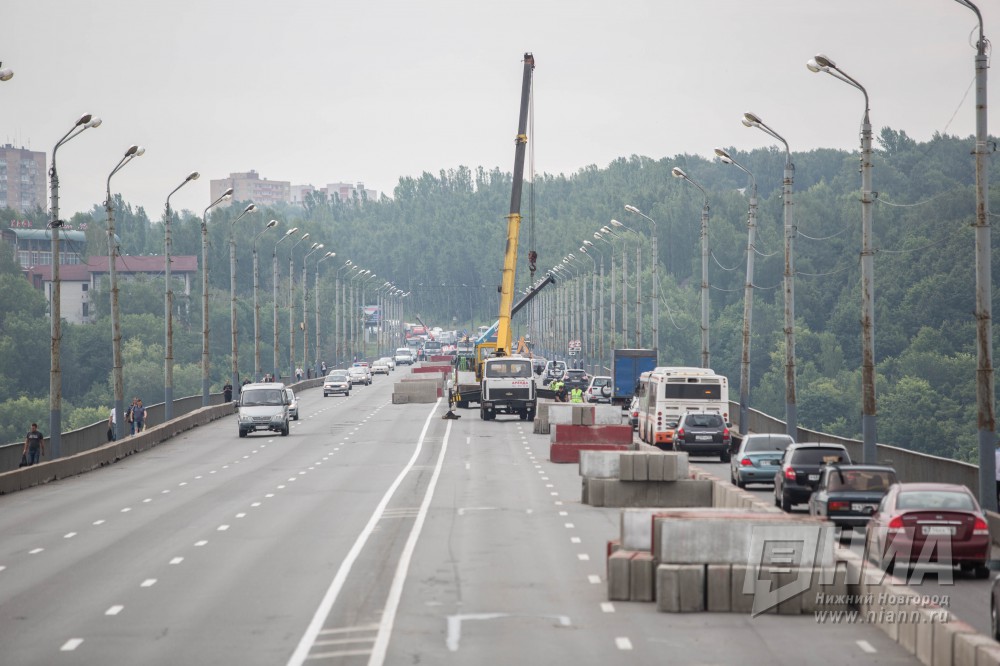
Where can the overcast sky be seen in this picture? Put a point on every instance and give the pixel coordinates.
(323, 91)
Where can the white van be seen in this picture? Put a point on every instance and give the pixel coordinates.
(263, 407)
(403, 355)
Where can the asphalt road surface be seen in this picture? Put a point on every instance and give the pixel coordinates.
(374, 533)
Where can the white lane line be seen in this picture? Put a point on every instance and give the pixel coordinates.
(69, 535)
(269, 495)
(607, 607)
(199, 476)
(182, 484)
(2, 567)
(866, 647)
(330, 598)
(583, 557)
(550, 485)
(554, 494)
(241, 515)
(114, 610)
(147, 500)
(164, 492)
(126, 509)
(559, 503)
(71, 644)
(623, 643)
(594, 579)
(574, 539)
(564, 513)
(255, 504)
(222, 528)
(281, 487)
(177, 560)
(149, 582)
(199, 544)
(569, 526)
(35, 551)
(98, 522)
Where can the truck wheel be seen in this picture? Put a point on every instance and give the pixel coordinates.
(523, 414)
(482, 414)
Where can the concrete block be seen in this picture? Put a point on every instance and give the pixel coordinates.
(586, 414)
(642, 583)
(591, 434)
(607, 415)
(675, 466)
(792, 605)
(595, 490)
(600, 464)
(626, 466)
(925, 636)
(827, 590)
(718, 587)
(560, 414)
(944, 641)
(400, 399)
(679, 494)
(680, 588)
(619, 575)
(654, 467)
(640, 470)
(988, 655)
(739, 601)
(907, 630)
(562, 452)
(966, 647)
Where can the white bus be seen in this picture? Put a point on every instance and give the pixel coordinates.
(667, 392)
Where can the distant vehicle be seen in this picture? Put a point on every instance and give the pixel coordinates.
(848, 495)
(389, 361)
(380, 367)
(337, 382)
(633, 413)
(668, 392)
(433, 348)
(576, 378)
(798, 475)
(599, 390)
(538, 364)
(553, 370)
(627, 366)
(703, 434)
(404, 356)
(913, 514)
(293, 404)
(359, 375)
(757, 458)
(263, 406)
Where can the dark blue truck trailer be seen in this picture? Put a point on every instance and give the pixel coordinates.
(627, 366)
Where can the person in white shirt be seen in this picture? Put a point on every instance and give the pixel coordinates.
(112, 430)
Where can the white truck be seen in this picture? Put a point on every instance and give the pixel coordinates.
(507, 387)
(404, 355)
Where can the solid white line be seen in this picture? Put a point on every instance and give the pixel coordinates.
(114, 610)
(396, 590)
(71, 644)
(866, 647)
(623, 643)
(330, 598)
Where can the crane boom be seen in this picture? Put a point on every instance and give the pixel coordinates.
(504, 336)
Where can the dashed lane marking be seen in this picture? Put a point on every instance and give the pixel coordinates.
(607, 607)
(177, 560)
(114, 610)
(583, 557)
(35, 551)
(623, 643)
(594, 579)
(867, 647)
(149, 582)
(71, 644)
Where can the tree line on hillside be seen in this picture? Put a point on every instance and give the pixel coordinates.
(441, 237)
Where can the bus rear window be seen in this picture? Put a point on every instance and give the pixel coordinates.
(692, 391)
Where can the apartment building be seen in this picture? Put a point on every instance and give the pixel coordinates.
(23, 182)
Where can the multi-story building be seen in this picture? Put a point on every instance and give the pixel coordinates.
(250, 186)
(23, 183)
(342, 191)
(33, 247)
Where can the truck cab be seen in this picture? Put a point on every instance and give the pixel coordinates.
(507, 387)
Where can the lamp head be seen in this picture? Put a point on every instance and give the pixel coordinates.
(228, 193)
(616, 223)
(250, 208)
(320, 246)
(597, 235)
(632, 209)
(571, 255)
(84, 119)
(348, 263)
(823, 62)
(270, 224)
(132, 150)
(678, 172)
(314, 246)
(588, 243)
(96, 122)
(751, 119)
(291, 231)
(194, 175)
(304, 236)
(583, 249)
(6, 74)
(813, 66)
(606, 229)
(140, 152)
(723, 155)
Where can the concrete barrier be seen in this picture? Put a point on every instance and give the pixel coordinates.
(569, 452)
(599, 464)
(685, 493)
(608, 434)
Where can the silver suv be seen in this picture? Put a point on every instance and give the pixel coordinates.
(263, 407)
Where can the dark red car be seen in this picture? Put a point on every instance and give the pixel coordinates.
(937, 523)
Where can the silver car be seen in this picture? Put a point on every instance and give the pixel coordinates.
(758, 459)
(293, 404)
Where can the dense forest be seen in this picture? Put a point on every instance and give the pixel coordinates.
(441, 237)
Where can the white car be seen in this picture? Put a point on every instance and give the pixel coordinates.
(404, 356)
(388, 361)
(359, 374)
(380, 367)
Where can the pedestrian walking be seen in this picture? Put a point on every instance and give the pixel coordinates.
(112, 430)
(130, 416)
(227, 392)
(34, 445)
(139, 415)
(322, 367)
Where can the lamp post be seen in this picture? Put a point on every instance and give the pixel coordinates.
(985, 409)
(600, 235)
(305, 305)
(677, 172)
(638, 283)
(168, 310)
(204, 295)
(820, 63)
(274, 296)
(328, 255)
(726, 158)
(256, 303)
(291, 303)
(84, 123)
(593, 306)
(364, 318)
(232, 295)
(340, 323)
(788, 283)
(116, 330)
(656, 277)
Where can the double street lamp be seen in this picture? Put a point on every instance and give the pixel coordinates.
(328, 255)
(305, 307)
(232, 294)
(168, 309)
(656, 278)
(256, 302)
(204, 295)
(274, 296)
(677, 172)
(291, 303)
(726, 158)
(821, 63)
(85, 122)
(116, 330)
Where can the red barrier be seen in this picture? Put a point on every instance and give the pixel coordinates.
(433, 369)
(568, 452)
(595, 434)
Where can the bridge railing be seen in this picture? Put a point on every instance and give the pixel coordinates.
(911, 466)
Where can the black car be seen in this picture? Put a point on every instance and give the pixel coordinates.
(703, 434)
(800, 470)
(848, 495)
(576, 379)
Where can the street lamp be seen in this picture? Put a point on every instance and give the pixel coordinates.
(232, 295)
(726, 158)
(791, 408)
(204, 295)
(677, 172)
(656, 277)
(274, 295)
(985, 409)
(85, 122)
(305, 308)
(638, 287)
(340, 322)
(116, 330)
(168, 308)
(593, 305)
(291, 303)
(820, 63)
(328, 255)
(6, 74)
(256, 302)
(601, 236)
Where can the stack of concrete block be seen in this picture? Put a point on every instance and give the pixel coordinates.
(568, 440)
(427, 388)
(554, 413)
(641, 479)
